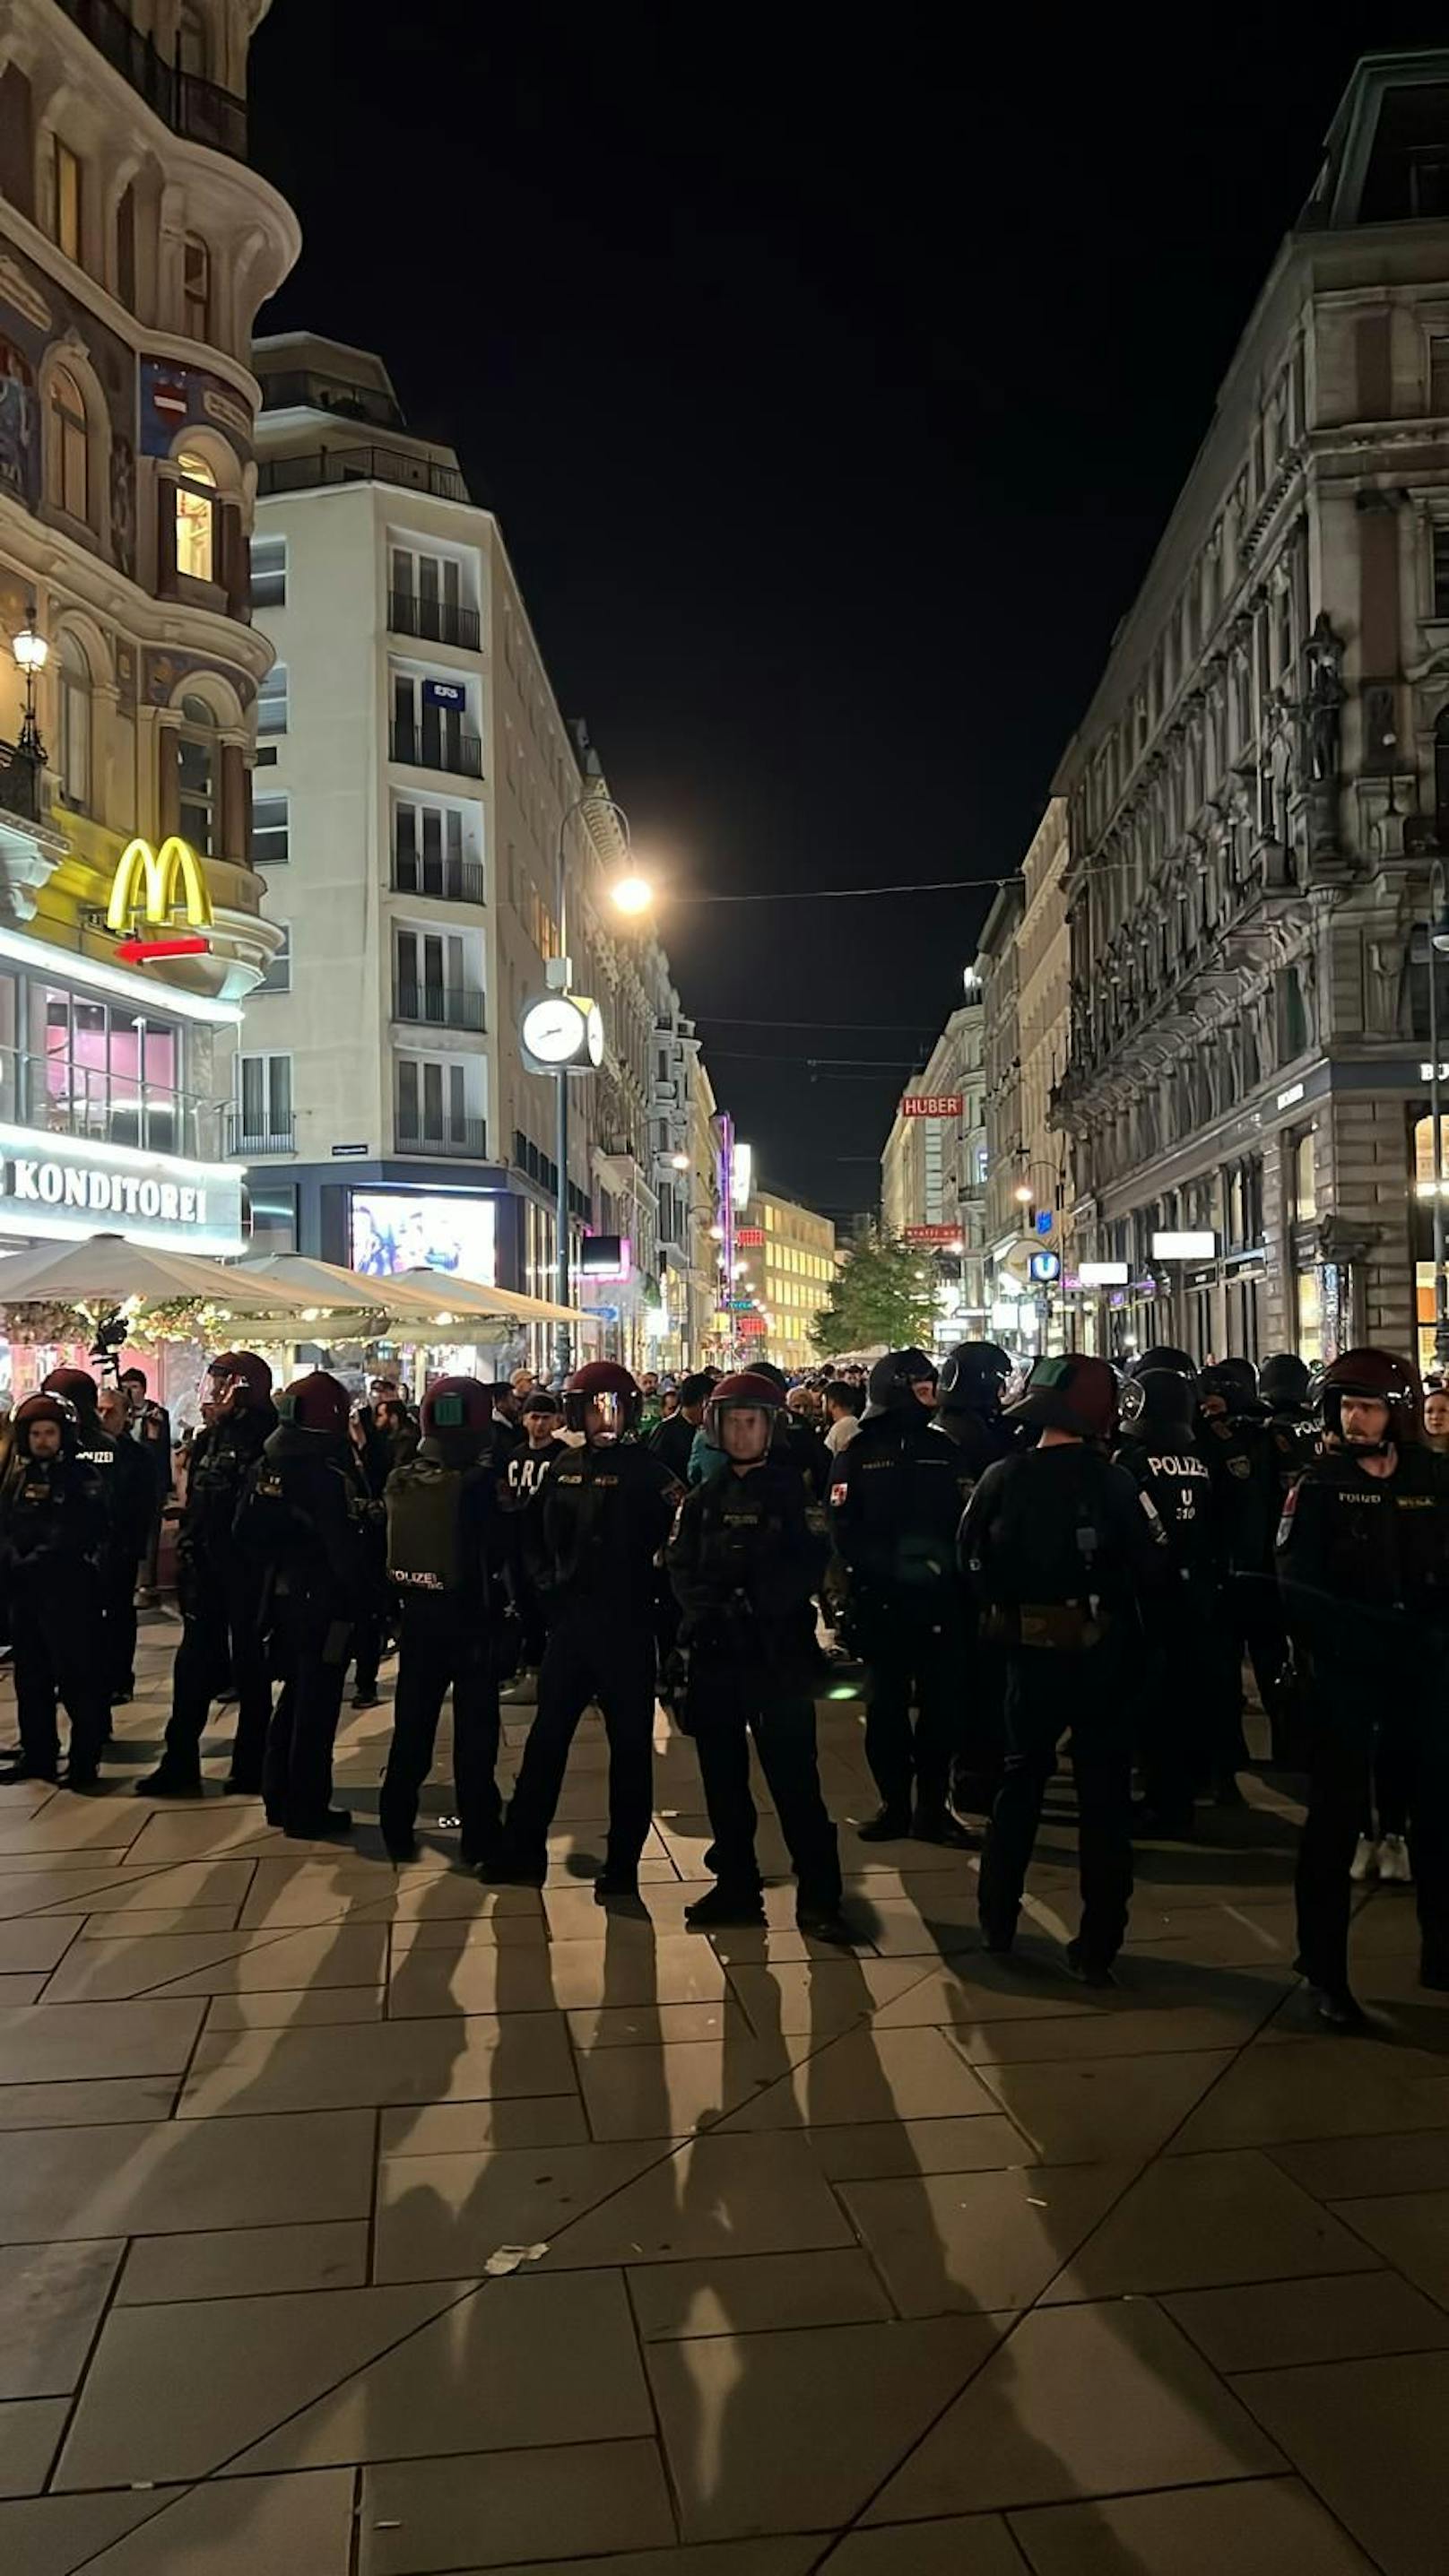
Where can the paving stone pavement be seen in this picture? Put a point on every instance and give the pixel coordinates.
(909, 2264)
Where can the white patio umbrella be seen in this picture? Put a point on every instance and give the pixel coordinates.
(109, 1274)
(432, 1304)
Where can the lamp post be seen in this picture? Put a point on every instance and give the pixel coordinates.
(1438, 941)
(31, 653)
(632, 894)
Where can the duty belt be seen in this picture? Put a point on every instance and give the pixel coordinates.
(1066, 1626)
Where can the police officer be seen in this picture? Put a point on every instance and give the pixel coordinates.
(133, 1503)
(97, 1449)
(53, 1531)
(898, 1494)
(974, 1378)
(1060, 1552)
(521, 1475)
(746, 1555)
(1363, 1562)
(1159, 1449)
(444, 1544)
(1233, 1430)
(589, 1545)
(219, 1588)
(151, 1432)
(303, 1520)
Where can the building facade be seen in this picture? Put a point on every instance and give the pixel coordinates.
(1258, 799)
(785, 1256)
(1043, 948)
(137, 246)
(418, 783)
(933, 1169)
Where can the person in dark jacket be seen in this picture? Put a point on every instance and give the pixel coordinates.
(590, 1546)
(1060, 1551)
(302, 1520)
(744, 1561)
(445, 1532)
(133, 1504)
(522, 1472)
(151, 1432)
(220, 1588)
(1363, 1562)
(672, 1439)
(385, 1436)
(53, 1532)
(97, 1449)
(1232, 1428)
(969, 1392)
(1160, 1449)
(898, 1494)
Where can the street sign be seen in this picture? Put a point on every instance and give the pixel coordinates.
(604, 1314)
(1045, 1267)
(932, 1233)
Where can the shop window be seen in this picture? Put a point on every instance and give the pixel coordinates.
(198, 756)
(75, 725)
(195, 288)
(195, 501)
(70, 446)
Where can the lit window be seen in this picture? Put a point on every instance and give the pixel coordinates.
(195, 495)
(195, 289)
(71, 445)
(65, 222)
(75, 725)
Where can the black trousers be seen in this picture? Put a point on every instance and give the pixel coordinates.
(119, 1623)
(431, 1662)
(368, 1639)
(729, 1702)
(1180, 1703)
(912, 1658)
(1348, 1711)
(297, 1769)
(220, 1641)
(1047, 1692)
(57, 1659)
(591, 1655)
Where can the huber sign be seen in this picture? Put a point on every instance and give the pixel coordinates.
(931, 1104)
(52, 1186)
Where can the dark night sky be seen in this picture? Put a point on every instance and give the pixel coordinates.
(831, 399)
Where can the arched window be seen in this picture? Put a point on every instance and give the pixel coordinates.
(195, 493)
(75, 725)
(70, 448)
(198, 757)
(195, 288)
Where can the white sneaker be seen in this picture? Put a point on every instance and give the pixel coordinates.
(1394, 1869)
(1365, 1861)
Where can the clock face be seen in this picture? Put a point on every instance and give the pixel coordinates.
(595, 1028)
(554, 1029)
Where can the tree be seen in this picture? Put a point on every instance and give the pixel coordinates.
(877, 1298)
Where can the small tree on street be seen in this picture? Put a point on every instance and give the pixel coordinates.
(877, 1297)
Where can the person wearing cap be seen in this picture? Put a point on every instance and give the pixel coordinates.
(220, 1590)
(590, 1543)
(303, 1520)
(53, 1534)
(1363, 1563)
(897, 1498)
(744, 1561)
(1060, 1551)
(444, 1547)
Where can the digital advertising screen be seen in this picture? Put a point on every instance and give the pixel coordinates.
(398, 1230)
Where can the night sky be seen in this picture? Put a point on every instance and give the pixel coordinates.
(831, 397)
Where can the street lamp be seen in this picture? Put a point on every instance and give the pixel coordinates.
(631, 894)
(31, 653)
(595, 803)
(1438, 943)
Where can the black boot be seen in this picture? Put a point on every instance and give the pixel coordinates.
(938, 1825)
(615, 1880)
(888, 1825)
(825, 1923)
(168, 1782)
(1087, 1970)
(725, 1907)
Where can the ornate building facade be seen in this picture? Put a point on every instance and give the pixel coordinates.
(1259, 791)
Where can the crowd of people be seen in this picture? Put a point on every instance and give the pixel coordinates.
(1077, 1552)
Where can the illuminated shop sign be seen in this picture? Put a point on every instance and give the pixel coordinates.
(154, 886)
(50, 1187)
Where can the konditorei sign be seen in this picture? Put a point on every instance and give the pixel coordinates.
(59, 1188)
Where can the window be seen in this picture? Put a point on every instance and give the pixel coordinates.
(430, 853)
(264, 1097)
(195, 289)
(65, 202)
(272, 701)
(432, 1102)
(198, 763)
(195, 495)
(269, 572)
(108, 1073)
(1439, 371)
(126, 248)
(75, 725)
(71, 449)
(278, 977)
(426, 598)
(271, 831)
(1441, 570)
(1305, 1185)
(1428, 179)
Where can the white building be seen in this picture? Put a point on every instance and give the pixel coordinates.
(933, 1169)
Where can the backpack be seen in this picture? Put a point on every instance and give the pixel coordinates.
(424, 1527)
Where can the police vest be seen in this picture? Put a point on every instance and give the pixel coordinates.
(424, 1528)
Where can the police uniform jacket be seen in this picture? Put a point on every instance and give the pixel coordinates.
(1059, 1529)
(897, 1497)
(306, 1517)
(222, 1457)
(746, 1555)
(596, 1527)
(1363, 1562)
(53, 1531)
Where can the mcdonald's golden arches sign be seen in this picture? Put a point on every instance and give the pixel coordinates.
(157, 884)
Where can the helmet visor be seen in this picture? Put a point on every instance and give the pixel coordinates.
(602, 1416)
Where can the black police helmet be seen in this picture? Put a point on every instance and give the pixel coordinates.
(893, 1377)
(1284, 1379)
(973, 1378)
(1165, 1355)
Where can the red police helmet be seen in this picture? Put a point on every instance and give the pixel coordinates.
(747, 1390)
(48, 1407)
(244, 1375)
(1386, 1379)
(75, 1386)
(318, 1402)
(457, 1404)
(610, 1387)
(1073, 1393)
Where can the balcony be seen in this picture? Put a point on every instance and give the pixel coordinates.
(437, 1006)
(58, 1097)
(360, 465)
(275, 1134)
(444, 880)
(436, 746)
(466, 1140)
(434, 620)
(194, 108)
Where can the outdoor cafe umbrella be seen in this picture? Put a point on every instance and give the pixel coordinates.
(108, 1275)
(429, 1305)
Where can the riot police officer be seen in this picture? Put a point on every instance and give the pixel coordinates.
(53, 1532)
(1060, 1550)
(219, 1588)
(590, 1541)
(745, 1558)
(974, 1378)
(1160, 1450)
(133, 1502)
(444, 1545)
(1233, 1432)
(304, 1521)
(896, 1502)
(1363, 1561)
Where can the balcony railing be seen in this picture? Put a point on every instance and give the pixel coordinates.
(446, 880)
(195, 108)
(61, 1098)
(437, 621)
(436, 746)
(360, 465)
(438, 1006)
(274, 1134)
(465, 1137)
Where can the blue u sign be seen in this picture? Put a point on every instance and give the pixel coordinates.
(1044, 1267)
(445, 693)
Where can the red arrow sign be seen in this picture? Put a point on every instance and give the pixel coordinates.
(134, 952)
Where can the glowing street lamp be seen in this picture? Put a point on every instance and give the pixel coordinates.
(632, 895)
(31, 653)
